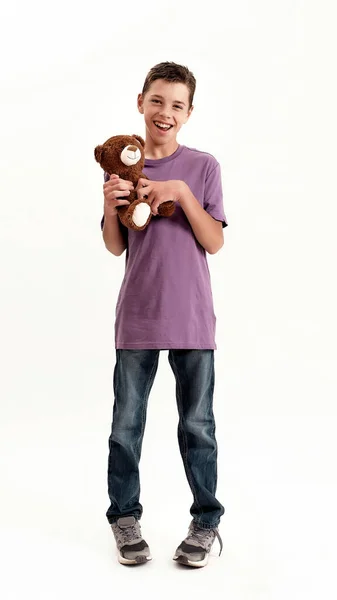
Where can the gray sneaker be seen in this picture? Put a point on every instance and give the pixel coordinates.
(195, 548)
(132, 548)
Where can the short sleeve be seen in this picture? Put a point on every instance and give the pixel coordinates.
(213, 199)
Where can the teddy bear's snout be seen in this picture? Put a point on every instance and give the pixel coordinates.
(130, 155)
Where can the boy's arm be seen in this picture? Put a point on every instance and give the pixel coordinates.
(114, 233)
(113, 237)
(207, 230)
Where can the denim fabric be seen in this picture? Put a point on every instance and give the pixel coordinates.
(134, 375)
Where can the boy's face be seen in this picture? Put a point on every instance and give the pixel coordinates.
(165, 107)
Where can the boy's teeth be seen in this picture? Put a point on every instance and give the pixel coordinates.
(162, 126)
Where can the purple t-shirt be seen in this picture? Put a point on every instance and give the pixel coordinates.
(165, 300)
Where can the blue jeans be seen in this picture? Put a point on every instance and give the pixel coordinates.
(134, 375)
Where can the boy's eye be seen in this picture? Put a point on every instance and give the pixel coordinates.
(177, 106)
(154, 100)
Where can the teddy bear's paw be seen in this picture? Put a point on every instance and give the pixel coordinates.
(141, 214)
(166, 209)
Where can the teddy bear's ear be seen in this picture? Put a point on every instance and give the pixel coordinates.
(140, 139)
(98, 153)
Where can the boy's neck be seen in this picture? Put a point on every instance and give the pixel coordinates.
(155, 152)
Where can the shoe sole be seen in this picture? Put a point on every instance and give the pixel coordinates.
(183, 560)
(133, 561)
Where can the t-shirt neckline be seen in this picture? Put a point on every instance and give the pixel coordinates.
(155, 161)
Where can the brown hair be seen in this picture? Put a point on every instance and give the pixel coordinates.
(170, 71)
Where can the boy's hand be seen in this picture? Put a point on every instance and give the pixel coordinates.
(114, 189)
(158, 192)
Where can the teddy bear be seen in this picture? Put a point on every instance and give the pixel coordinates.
(124, 155)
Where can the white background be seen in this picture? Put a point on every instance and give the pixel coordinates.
(265, 106)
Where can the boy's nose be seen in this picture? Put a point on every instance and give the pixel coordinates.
(165, 113)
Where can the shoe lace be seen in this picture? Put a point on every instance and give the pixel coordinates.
(129, 533)
(202, 535)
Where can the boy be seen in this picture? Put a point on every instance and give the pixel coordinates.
(165, 303)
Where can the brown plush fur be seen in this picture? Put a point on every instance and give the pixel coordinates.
(109, 157)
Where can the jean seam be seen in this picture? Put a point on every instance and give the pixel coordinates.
(184, 437)
(146, 394)
(115, 378)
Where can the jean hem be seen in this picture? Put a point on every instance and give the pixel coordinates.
(112, 520)
(203, 525)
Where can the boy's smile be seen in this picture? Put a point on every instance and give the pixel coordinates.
(162, 126)
(165, 107)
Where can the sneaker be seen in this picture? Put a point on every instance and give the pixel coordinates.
(131, 547)
(195, 548)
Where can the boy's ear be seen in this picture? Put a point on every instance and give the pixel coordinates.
(189, 112)
(140, 103)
